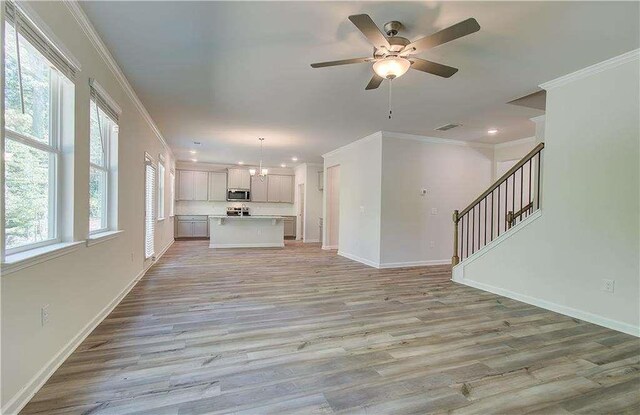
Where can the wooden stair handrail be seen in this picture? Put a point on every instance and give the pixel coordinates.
(502, 179)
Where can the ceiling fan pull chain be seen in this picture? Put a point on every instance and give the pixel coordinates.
(390, 112)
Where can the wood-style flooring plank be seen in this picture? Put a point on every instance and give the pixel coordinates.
(302, 330)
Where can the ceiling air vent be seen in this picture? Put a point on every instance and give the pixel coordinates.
(447, 127)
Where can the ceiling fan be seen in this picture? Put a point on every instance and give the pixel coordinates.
(393, 55)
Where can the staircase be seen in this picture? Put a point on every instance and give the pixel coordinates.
(507, 202)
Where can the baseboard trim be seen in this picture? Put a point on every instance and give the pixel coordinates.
(548, 305)
(329, 247)
(24, 395)
(260, 245)
(359, 259)
(408, 264)
(311, 241)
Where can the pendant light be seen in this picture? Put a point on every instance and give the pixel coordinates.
(262, 172)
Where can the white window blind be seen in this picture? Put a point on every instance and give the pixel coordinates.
(149, 214)
(27, 29)
(160, 191)
(172, 193)
(104, 101)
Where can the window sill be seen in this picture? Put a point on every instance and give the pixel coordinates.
(22, 260)
(98, 238)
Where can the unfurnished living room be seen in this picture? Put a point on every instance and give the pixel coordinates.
(316, 207)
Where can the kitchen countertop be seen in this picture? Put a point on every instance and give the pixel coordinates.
(248, 217)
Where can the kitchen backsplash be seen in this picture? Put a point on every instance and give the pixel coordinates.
(184, 207)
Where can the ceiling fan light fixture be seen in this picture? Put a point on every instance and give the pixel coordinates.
(391, 67)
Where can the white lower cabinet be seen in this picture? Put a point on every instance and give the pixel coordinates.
(290, 226)
(192, 227)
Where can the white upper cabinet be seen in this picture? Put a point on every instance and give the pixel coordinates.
(259, 189)
(280, 188)
(217, 186)
(286, 189)
(200, 185)
(239, 179)
(185, 185)
(192, 185)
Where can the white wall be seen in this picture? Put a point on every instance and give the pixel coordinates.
(360, 189)
(81, 285)
(453, 173)
(588, 229)
(511, 151)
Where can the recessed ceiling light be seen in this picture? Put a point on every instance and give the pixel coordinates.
(294, 158)
(492, 131)
(283, 165)
(192, 151)
(194, 160)
(241, 163)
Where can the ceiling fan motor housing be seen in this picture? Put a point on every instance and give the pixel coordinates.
(393, 27)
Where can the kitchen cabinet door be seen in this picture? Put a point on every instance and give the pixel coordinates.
(200, 185)
(200, 229)
(217, 187)
(184, 229)
(259, 189)
(273, 188)
(239, 179)
(286, 189)
(290, 227)
(185, 185)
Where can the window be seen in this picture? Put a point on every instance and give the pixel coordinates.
(103, 133)
(33, 117)
(172, 193)
(149, 207)
(160, 189)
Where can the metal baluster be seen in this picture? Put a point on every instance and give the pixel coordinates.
(491, 216)
(462, 240)
(506, 199)
(473, 231)
(498, 203)
(538, 184)
(468, 226)
(521, 191)
(529, 196)
(485, 221)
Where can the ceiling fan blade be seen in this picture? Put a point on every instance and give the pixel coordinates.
(341, 62)
(368, 28)
(458, 30)
(374, 82)
(433, 67)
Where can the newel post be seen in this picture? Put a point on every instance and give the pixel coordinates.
(455, 259)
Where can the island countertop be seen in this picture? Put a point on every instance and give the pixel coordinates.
(247, 217)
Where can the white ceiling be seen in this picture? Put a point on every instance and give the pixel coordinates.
(225, 73)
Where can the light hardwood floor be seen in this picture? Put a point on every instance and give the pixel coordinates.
(303, 330)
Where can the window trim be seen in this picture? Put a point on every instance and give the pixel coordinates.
(172, 193)
(109, 131)
(53, 148)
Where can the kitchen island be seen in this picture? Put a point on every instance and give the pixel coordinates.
(246, 231)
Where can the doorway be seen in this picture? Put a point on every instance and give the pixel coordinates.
(333, 207)
(301, 211)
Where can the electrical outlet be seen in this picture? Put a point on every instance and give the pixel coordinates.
(44, 315)
(432, 244)
(434, 211)
(608, 285)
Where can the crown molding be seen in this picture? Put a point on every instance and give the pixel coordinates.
(377, 134)
(526, 140)
(593, 69)
(435, 140)
(92, 34)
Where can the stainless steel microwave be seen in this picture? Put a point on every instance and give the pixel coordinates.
(238, 195)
